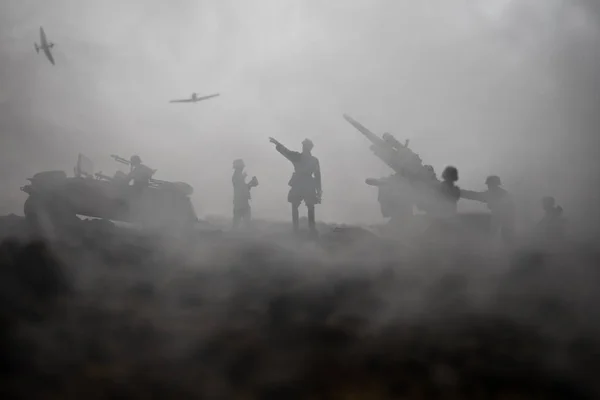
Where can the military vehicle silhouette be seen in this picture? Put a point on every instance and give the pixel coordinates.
(56, 199)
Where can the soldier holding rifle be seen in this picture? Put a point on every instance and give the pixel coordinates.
(305, 184)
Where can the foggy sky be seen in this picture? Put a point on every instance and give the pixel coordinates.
(491, 86)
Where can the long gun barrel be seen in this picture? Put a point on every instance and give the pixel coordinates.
(396, 155)
(376, 140)
(380, 147)
(120, 159)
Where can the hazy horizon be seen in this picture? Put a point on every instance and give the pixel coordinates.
(498, 88)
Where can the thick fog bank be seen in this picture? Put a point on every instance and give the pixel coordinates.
(498, 87)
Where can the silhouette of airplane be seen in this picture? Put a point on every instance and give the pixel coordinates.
(45, 45)
(195, 98)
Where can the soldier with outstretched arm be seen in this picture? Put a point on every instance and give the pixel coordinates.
(241, 194)
(500, 204)
(305, 183)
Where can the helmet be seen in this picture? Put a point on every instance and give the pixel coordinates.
(135, 160)
(239, 163)
(308, 144)
(493, 180)
(450, 174)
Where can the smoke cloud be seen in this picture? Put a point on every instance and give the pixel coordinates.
(501, 87)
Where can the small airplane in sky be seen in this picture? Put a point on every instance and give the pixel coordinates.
(45, 45)
(194, 98)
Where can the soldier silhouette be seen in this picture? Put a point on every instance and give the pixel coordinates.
(241, 194)
(449, 192)
(500, 204)
(139, 173)
(443, 205)
(552, 226)
(305, 183)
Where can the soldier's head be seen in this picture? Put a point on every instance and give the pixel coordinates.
(450, 174)
(307, 145)
(135, 160)
(239, 164)
(493, 181)
(548, 203)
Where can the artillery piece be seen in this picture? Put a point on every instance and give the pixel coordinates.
(422, 188)
(398, 156)
(56, 199)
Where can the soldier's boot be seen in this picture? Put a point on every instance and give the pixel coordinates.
(295, 217)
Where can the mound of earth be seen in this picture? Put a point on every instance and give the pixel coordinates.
(112, 313)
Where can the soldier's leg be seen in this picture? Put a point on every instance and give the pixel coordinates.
(311, 217)
(247, 216)
(236, 217)
(295, 216)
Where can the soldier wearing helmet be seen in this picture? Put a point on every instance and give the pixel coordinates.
(139, 173)
(449, 192)
(552, 226)
(241, 194)
(500, 204)
(305, 183)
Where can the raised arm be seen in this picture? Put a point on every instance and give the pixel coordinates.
(473, 195)
(293, 156)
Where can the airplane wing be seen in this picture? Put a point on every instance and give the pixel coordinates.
(207, 97)
(49, 55)
(43, 39)
(181, 101)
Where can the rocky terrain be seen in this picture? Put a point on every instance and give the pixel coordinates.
(104, 312)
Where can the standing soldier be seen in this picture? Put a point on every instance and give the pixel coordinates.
(552, 226)
(500, 204)
(449, 192)
(139, 173)
(443, 205)
(305, 184)
(241, 194)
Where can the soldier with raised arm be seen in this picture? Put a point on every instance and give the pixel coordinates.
(500, 204)
(305, 183)
(241, 194)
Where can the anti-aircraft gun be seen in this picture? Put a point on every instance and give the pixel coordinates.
(398, 156)
(413, 182)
